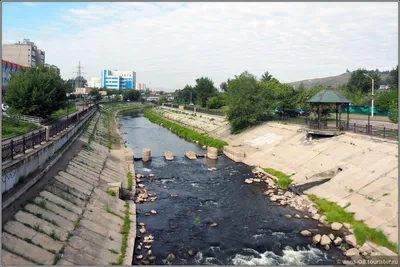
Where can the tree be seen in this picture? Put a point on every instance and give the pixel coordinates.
(266, 77)
(383, 100)
(216, 102)
(37, 91)
(394, 78)
(80, 82)
(394, 111)
(131, 95)
(204, 89)
(243, 99)
(162, 100)
(94, 93)
(223, 86)
(185, 95)
(359, 82)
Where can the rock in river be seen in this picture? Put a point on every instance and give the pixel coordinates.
(337, 241)
(139, 257)
(305, 233)
(325, 240)
(316, 216)
(336, 226)
(287, 216)
(248, 181)
(351, 240)
(153, 212)
(170, 257)
(316, 239)
(352, 252)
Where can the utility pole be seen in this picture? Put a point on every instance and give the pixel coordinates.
(372, 95)
(78, 80)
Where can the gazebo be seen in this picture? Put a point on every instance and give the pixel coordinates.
(329, 97)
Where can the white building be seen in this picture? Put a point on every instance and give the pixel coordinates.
(96, 82)
(114, 79)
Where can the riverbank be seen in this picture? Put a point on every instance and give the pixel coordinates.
(75, 219)
(369, 165)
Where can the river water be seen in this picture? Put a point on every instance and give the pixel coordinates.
(251, 230)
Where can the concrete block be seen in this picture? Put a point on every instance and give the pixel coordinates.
(83, 177)
(20, 230)
(47, 242)
(97, 228)
(102, 255)
(77, 257)
(63, 212)
(71, 184)
(76, 180)
(26, 249)
(8, 259)
(234, 154)
(50, 216)
(61, 201)
(103, 241)
(61, 190)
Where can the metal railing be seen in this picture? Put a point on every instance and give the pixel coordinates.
(21, 145)
(31, 119)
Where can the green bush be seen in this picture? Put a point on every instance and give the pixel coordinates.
(283, 179)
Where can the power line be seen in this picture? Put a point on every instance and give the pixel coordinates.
(78, 79)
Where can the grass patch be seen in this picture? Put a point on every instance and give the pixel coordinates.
(184, 132)
(113, 251)
(125, 233)
(62, 113)
(111, 192)
(283, 179)
(130, 181)
(335, 213)
(54, 236)
(12, 128)
(28, 240)
(351, 190)
(197, 220)
(385, 194)
(113, 213)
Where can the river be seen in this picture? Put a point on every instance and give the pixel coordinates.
(251, 230)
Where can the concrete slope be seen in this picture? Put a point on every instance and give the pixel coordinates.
(72, 221)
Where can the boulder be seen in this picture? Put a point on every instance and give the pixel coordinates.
(331, 236)
(306, 217)
(287, 216)
(248, 181)
(297, 216)
(139, 257)
(322, 219)
(141, 185)
(153, 212)
(336, 226)
(213, 224)
(316, 239)
(170, 257)
(325, 240)
(305, 233)
(337, 241)
(191, 154)
(365, 248)
(352, 252)
(351, 240)
(347, 225)
(327, 247)
(257, 180)
(152, 258)
(316, 216)
(142, 230)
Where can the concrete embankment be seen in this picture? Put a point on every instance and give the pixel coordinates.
(369, 166)
(78, 218)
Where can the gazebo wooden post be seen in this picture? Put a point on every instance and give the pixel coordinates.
(348, 116)
(319, 116)
(340, 112)
(336, 115)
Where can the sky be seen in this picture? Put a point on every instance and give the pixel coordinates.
(170, 45)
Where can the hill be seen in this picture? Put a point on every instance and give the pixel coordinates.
(333, 81)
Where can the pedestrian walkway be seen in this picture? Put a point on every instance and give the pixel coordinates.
(73, 220)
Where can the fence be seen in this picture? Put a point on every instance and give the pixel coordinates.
(196, 109)
(31, 119)
(21, 145)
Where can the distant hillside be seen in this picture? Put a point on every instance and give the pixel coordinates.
(333, 81)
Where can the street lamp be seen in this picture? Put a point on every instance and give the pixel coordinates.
(372, 95)
(67, 94)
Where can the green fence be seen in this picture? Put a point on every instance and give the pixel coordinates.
(365, 110)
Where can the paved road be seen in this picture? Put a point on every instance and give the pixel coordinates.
(8, 140)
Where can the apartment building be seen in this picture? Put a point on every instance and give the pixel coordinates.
(23, 53)
(114, 79)
(7, 69)
(96, 82)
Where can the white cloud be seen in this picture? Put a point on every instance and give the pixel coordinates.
(29, 3)
(170, 45)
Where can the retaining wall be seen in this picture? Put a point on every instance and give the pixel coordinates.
(25, 164)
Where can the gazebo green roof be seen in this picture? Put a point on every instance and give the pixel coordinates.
(329, 95)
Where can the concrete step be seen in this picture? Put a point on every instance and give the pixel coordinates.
(107, 179)
(105, 219)
(95, 204)
(41, 225)
(26, 250)
(50, 216)
(96, 238)
(31, 236)
(58, 189)
(73, 185)
(76, 180)
(93, 160)
(77, 258)
(63, 212)
(64, 262)
(102, 255)
(8, 259)
(101, 230)
(87, 178)
(86, 165)
(61, 202)
(83, 168)
(107, 199)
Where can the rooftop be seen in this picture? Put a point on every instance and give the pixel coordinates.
(329, 95)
